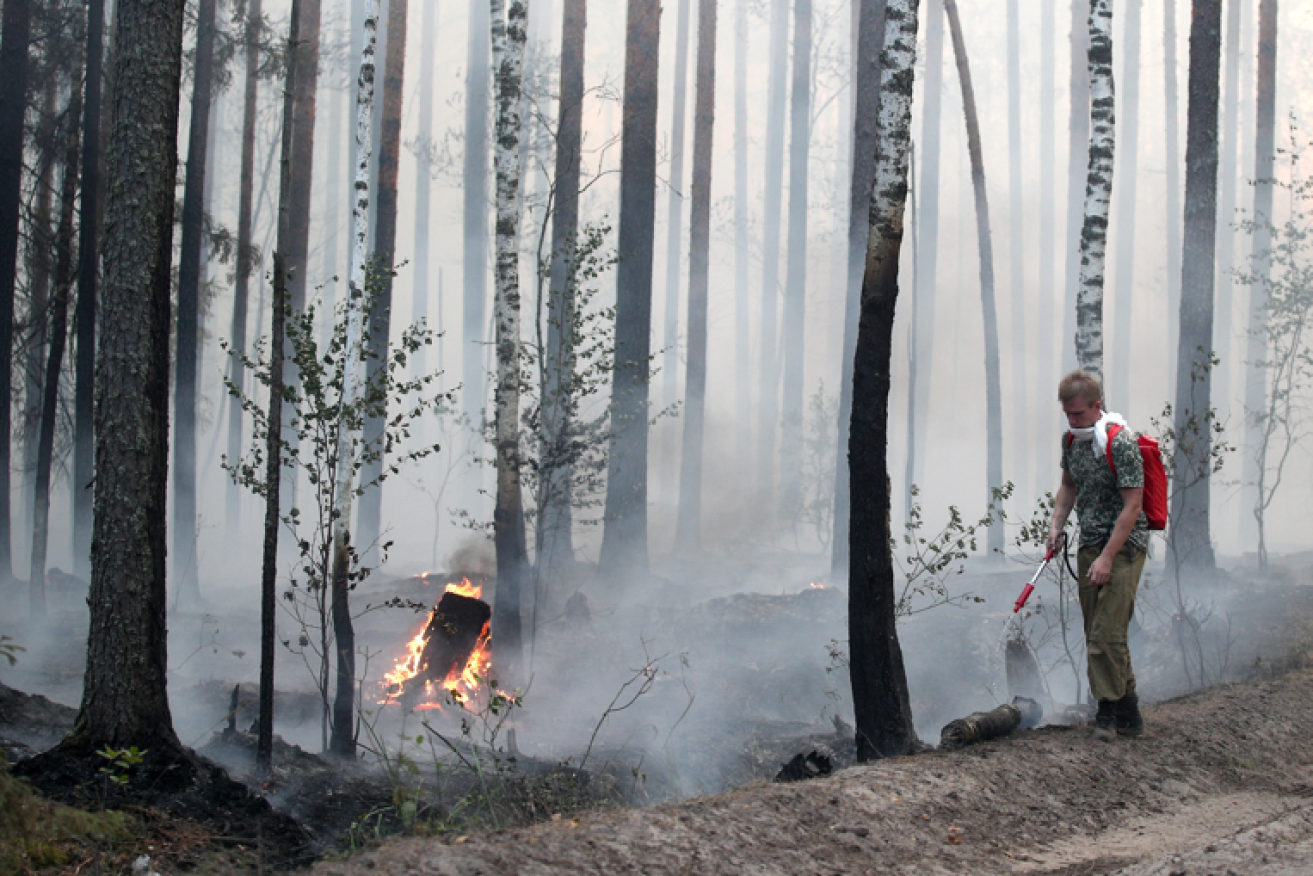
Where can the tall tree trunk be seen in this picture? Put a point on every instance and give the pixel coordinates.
(264, 743)
(927, 253)
(1265, 119)
(675, 206)
(14, 39)
(508, 40)
(1229, 168)
(189, 285)
(1190, 545)
(795, 285)
(124, 695)
(85, 313)
(879, 682)
(478, 72)
(993, 380)
(343, 743)
(1119, 372)
(555, 543)
(370, 516)
(40, 246)
(768, 415)
(1172, 186)
(1098, 192)
(64, 278)
(1077, 146)
(1016, 246)
(428, 28)
(1047, 339)
(624, 536)
(866, 105)
(688, 526)
(245, 257)
(742, 342)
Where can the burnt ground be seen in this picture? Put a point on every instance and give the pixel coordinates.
(1222, 783)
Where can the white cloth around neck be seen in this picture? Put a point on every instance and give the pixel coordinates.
(1100, 443)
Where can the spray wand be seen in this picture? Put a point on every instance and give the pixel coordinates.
(1030, 585)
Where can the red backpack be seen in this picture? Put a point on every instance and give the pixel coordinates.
(1155, 476)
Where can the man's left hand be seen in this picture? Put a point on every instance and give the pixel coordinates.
(1100, 571)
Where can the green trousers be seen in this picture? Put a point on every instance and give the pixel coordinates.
(1107, 611)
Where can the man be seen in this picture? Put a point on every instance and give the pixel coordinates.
(1114, 537)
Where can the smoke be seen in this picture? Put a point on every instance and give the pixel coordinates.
(474, 554)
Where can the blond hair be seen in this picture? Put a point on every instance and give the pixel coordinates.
(1082, 385)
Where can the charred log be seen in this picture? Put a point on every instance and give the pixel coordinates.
(979, 726)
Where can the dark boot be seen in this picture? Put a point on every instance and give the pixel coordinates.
(1105, 722)
(1129, 722)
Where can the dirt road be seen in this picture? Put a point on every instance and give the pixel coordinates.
(1222, 783)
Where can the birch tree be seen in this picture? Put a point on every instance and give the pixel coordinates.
(1078, 135)
(881, 703)
(343, 741)
(993, 379)
(1098, 192)
(508, 41)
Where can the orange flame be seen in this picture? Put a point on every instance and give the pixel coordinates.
(461, 684)
(818, 585)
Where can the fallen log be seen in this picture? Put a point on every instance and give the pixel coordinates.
(979, 726)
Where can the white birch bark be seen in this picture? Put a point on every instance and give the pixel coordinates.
(355, 323)
(1098, 193)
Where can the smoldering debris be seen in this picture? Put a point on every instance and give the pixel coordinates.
(979, 726)
(812, 765)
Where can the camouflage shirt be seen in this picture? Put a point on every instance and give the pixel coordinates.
(1098, 496)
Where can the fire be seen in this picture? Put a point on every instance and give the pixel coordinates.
(818, 585)
(461, 685)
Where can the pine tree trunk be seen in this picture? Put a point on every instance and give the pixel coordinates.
(245, 260)
(866, 105)
(624, 537)
(1190, 545)
(189, 284)
(768, 415)
(343, 742)
(40, 247)
(85, 313)
(742, 341)
(993, 380)
(1098, 192)
(1047, 340)
(508, 40)
(124, 698)
(1119, 370)
(478, 72)
(881, 703)
(555, 542)
(688, 525)
(1229, 168)
(1077, 155)
(64, 279)
(795, 285)
(370, 516)
(675, 207)
(1019, 402)
(14, 40)
(1172, 187)
(428, 28)
(1261, 266)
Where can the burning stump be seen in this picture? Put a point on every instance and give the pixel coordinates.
(453, 632)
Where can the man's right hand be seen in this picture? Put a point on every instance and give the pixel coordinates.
(1055, 540)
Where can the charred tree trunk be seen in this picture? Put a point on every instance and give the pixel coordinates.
(795, 284)
(993, 380)
(343, 743)
(1172, 187)
(370, 516)
(624, 537)
(58, 316)
(1260, 264)
(768, 417)
(879, 682)
(124, 696)
(866, 105)
(1190, 546)
(245, 259)
(555, 542)
(688, 526)
(1119, 372)
(478, 72)
(675, 206)
(40, 247)
(85, 314)
(264, 744)
(189, 286)
(1098, 192)
(1077, 146)
(14, 46)
(508, 41)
